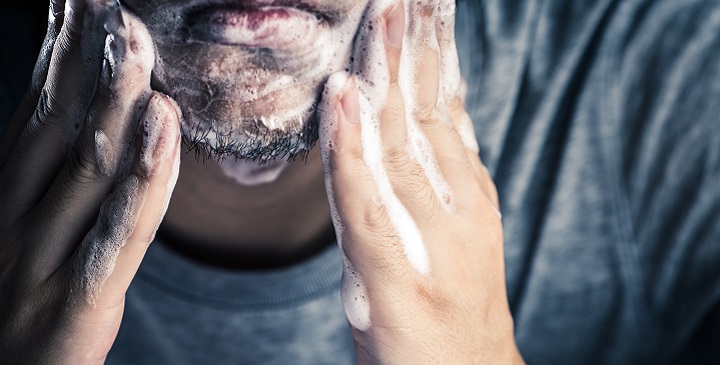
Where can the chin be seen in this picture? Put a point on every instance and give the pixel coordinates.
(248, 75)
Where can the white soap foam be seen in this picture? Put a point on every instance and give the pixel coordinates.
(355, 297)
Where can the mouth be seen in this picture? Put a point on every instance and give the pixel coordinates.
(256, 24)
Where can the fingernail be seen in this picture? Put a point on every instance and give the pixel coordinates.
(160, 134)
(350, 102)
(395, 25)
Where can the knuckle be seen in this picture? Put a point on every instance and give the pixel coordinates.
(435, 124)
(352, 152)
(402, 167)
(347, 162)
(394, 75)
(425, 196)
(70, 36)
(395, 107)
(434, 298)
(456, 109)
(427, 101)
(105, 95)
(47, 109)
(374, 216)
(397, 159)
(83, 165)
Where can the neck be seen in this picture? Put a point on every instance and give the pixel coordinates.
(215, 220)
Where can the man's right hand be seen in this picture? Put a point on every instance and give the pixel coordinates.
(85, 170)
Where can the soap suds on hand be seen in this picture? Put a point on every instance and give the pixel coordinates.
(128, 51)
(372, 79)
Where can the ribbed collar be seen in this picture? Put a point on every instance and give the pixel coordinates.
(241, 290)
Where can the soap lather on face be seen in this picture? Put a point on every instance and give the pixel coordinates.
(248, 75)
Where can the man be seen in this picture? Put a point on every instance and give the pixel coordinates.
(600, 268)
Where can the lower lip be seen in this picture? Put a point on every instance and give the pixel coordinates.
(266, 27)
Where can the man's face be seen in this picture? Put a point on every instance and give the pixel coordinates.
(248, 73)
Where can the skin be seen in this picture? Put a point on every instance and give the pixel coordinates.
(458, 313)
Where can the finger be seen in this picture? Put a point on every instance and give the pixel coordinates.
(464, 127)
(354, 292)
(450, 77)
(365, 232)
(121, 244)
(100, 154)
(421, 51)
(452, 87)
(374, 84)
(393, 131)
(410, 182)
(412, 167)
(41, 147)
(435, 141)
(29, 102)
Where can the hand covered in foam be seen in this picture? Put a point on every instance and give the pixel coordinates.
(87, 167)
(415, 211)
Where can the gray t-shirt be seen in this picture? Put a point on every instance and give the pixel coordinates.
(600, 123)
(180, 312)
